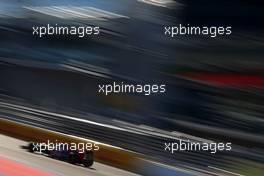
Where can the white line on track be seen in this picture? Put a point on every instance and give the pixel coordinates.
(233, 173)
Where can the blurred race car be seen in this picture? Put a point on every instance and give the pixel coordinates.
(85, 158)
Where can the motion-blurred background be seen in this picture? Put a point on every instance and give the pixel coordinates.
(214, 85)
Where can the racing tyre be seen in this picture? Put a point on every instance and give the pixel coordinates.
(88, 159)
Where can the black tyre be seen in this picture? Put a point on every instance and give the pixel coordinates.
(31, 147)
(88, 159)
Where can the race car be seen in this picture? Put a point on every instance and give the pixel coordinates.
(85, 158)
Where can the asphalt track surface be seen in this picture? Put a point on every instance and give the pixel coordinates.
(11, 154)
